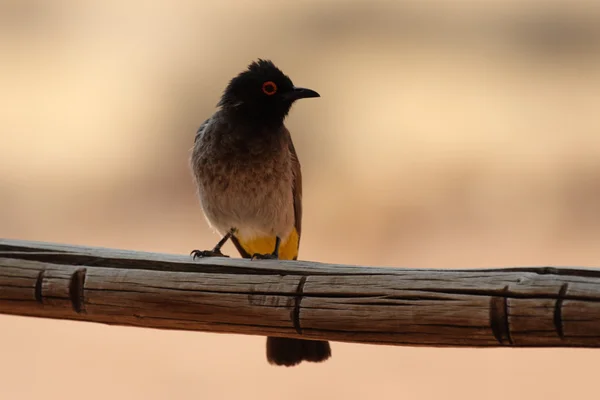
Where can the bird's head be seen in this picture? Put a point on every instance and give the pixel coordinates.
(262, 92)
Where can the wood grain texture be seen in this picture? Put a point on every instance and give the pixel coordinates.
(518, 307)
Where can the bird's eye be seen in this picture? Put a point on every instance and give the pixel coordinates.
(269, 88)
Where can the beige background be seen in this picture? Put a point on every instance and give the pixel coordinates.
(449, 134)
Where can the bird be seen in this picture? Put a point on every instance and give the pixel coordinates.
(249, 181)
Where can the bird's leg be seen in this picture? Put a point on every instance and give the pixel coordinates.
(273, 256)
(216, 251)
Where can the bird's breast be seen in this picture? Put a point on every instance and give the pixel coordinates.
(245, 185)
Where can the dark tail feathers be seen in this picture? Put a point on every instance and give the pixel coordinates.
(289, 352)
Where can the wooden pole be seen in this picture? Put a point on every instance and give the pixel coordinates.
(535, 307)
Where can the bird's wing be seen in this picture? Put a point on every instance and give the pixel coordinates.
(200, 130)
(296, 188)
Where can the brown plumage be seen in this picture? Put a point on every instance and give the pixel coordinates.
(250, 182)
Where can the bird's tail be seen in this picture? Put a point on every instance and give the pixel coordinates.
(289, 352)
(285, 351)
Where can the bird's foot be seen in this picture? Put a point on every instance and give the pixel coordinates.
(206, 253)
(258, 256)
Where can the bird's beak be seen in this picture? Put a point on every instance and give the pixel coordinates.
(301, 93)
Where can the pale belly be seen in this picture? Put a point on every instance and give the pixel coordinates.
(253, 207)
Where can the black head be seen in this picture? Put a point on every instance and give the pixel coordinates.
(262, 93)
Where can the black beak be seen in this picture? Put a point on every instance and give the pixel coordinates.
(301, 93)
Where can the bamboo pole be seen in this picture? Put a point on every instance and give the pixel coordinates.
(531, 307)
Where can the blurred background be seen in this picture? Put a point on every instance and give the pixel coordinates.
(452, 134)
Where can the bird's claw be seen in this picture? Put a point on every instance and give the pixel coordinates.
(258, 256)
(206, 253)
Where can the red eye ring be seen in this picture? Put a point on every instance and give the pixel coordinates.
(269, 88)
